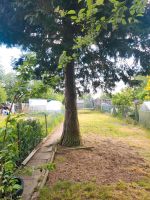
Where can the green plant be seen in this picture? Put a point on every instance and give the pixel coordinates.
(13, 150)
(3, 95)
(18, 138)
(47, 166)
(8, 158)
(29, 132)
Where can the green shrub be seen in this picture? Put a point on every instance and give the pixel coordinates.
(18, 137)
(29, 132)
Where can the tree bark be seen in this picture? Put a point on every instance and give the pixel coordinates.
(71, 133)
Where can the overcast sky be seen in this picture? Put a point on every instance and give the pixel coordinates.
(6, 57)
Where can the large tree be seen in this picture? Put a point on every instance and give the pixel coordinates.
(56, 32)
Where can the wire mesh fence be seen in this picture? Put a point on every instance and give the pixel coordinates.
(27, 130)
(48, 120)
(42, 125)
(133, 113)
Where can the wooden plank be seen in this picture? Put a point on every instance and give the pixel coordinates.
(76, 148)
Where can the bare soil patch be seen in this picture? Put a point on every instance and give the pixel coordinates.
(108, 162)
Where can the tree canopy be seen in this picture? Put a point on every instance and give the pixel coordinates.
(38, 26)
(36, 89)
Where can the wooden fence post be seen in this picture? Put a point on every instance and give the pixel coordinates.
(46, 125)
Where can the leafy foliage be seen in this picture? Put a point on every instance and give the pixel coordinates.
(123, 98)
(52, 28)
(9, 81)
(30, 133)
(18, 138)
(124, 102)
(37, 89)
(8, 158)
(60, 33)
(147, 88)
(3, 95)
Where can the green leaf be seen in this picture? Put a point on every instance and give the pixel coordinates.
(102, 18)
(16, 187)
(89, 4)
(98, 27)
(74, 17)
(139, 15)
(81, 11)
(71, 12)
(100, 2)
(132, 12)
(124, 22)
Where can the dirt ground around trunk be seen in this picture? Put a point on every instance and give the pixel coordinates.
(110, 161)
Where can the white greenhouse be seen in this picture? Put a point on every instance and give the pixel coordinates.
(42, 105)
(144, 114)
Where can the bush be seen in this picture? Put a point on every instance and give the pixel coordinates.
(29, 133)
(18, 138)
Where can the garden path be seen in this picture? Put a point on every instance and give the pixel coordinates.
(44, 154)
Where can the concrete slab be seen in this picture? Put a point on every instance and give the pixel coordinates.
(42, 155)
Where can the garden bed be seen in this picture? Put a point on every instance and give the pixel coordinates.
(108, 162)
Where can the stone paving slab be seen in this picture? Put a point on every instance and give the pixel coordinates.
(42, 156)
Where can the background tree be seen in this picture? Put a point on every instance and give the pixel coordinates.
(3, 96)
(9, 81)
(138, 83)
(123, 101)
(37, 89)
(123, 98)
(61, 34)
(147, 89)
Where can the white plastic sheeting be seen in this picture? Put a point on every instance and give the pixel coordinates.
(144, 114)
(37, 105)
(54, 106)
(145, 106)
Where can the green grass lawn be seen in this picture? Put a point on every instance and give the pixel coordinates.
(108, 127)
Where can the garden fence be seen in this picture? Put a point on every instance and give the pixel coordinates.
(142, 117)
(29, 130)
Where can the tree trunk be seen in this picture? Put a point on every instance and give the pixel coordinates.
(71, 132)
